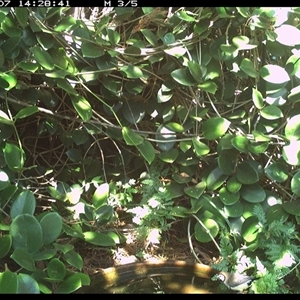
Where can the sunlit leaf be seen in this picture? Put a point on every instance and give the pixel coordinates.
(274, 74)
(131, 138)
(215, 127)
(82, 106)
(287, 35)
(201, 230)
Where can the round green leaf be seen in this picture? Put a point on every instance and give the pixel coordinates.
(26, 112)
(65, 24)
(176, 127)
(100, 195)
(5, 244)
(200, 148)
(82, 106)
(234, 211)
(227, 161)
(183, 76)
(163, 135)
(277, 171)
(195, 191)
(10, 79)
(287, 35)
(70, 284)
(25, 203)
(98, 238)
(215, 127)
(248, 67)
(250, 229)
(292, 128)
(233, 185)
(74, 259)
(271, 112)
(91, 50)
(196, 70)
(43, 57)
(275, 213)
(240, 143)
(253, 193)
(131, 138)
(246, 174)
(208, 86)
(243, 43)
(227, 197)
(27, 284)
(274, 74)
(8, 282)
(133, 112)
(132, 71)
(103, 214)
(215, 179)
(14, 156)
(149, 36)
(24, 259)
(26, 233)
(201, 234)
(169, 156)
(182, 177)
(292, 207)
(51, 225)
(147, 151)
(295, 184)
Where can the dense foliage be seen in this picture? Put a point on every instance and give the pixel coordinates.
(167, 113)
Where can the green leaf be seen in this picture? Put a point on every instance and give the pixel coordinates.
(271, 112)
(10, 79)
(26, 233)
(163, 135)
(274, 74)
(103, 214)
(196, 70)
(8, 282)
(73, 232)
(82, 106)
(43, 57)
(243, 43)
(233, 185)
(65, 24)
(195, 191)
(240, 143)
(200, 148)
(66, 86)
(133, 112)
(292, 207)
(176, 127)
(295, 184)
(253, 193)
(74, 259)
(249, 229)
(215, 179)
(227, 161)
(10, 45)
(277, 172)
(26, 112)
(169, 156)
(69, 285)
(98, 238)
(257, 98)
(208, 86)
(100, 195)
(149, 36)
(248, 67)
(234, 211)
(246, 174)
(147, 151)
(131, 138)
(5, 244)
(51, 225)
(4, 181)
(44, 254)
(10, 28)
(132, 71)
(21, 15)
(91, 50)
(292, 128)
(287, 35)
(183, 76)
(56, 269)
(25, 203)
(215, 127)
(201, 233)
(14, 156)
(276, 212)
(23, 259)
(113, 36)
(294, 96)
(27, 284)
(169, 38)
(227, 197)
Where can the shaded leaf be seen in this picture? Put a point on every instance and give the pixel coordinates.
(215, 127)
(25, 203)
(23, 259)
(43, 57)
(147, 150)
(131, 138)
(253, 193)
(51, 225)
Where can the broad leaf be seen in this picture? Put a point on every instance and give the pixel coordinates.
(98, 238)
(43, 58)
(295, 184)
(131, 138)
(201, 230)
(51, 225)
(27, 284)
(23, 259)
(274, 74)
(253, 193)
(5, 244)
(8, 282)
(100, 195)
(82, 106)
(215, 127)
(25, 203)
(14, 156)
(147, 151)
